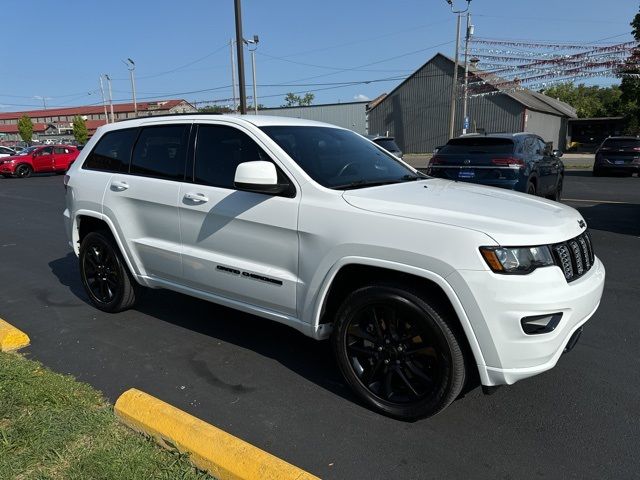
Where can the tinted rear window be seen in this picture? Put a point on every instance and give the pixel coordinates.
(478, 145)
(621, 143)
(161, 152)
(113, 151)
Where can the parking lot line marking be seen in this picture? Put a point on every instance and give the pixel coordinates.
(224, 456)
(589, 201)
(11, 338)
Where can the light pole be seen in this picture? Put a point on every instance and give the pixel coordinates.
(104, 100)
(468, 36)
(131, 66)
(240, 48)
(452, 117)
(254, 42)
(113, 118)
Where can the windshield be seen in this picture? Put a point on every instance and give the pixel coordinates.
(339, 159)
(26, 151)
(477, 145)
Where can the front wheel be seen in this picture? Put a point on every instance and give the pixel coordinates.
(105, 276)
(398, 352)
(23, 171)
(531, 188)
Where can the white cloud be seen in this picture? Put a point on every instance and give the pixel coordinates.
(361, 98)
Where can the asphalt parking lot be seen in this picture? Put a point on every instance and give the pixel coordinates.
(282, 392)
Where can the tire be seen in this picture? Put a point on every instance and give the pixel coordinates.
(557, 195)
(598, 173)
(23, 171)
(531, 188)
(105, 275)
(372, 343)
(6, 175)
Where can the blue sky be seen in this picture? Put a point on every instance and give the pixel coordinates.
(58, 49)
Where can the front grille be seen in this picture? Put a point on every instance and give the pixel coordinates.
(575, 257)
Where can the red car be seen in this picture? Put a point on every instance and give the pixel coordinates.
(48, 158)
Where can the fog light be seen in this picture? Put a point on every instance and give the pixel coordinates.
(540, 323)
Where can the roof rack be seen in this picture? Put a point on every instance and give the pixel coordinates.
(181, 114)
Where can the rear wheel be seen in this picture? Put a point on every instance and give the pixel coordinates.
(23, 171)
(398, 352)
(104, 273)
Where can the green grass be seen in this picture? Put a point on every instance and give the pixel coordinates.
(54, 427)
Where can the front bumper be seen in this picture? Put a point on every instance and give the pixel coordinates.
(7, 168)
(495, 305)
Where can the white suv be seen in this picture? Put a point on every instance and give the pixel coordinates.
(421, 283)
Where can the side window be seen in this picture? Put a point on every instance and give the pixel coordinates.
(113, 151)
(529, 146)
(160, 152)
(219, 151)
(59, 150)
(46, 151)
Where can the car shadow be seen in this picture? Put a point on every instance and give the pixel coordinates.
(623, 218)
(308, 358)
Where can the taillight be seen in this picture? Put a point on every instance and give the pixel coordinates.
(65, 181)
(636, 149)
(436, 160)
(508, 162)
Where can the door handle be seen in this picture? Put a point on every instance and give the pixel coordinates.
(119, 186)
(196, 197)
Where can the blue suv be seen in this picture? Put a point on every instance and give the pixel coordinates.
(517, 161)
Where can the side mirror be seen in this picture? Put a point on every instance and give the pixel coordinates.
(557, 153)
(258, 177)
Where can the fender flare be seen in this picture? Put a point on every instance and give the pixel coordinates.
(322, 332)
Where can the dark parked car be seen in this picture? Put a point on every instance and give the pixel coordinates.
(618, 155)
(388, 143)
(517, 161)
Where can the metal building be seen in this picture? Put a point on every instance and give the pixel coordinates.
(417, 111)
(351, 115)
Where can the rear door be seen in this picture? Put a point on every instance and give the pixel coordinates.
(237, 244)
(547, 167)
(61, 157)
(143, 201)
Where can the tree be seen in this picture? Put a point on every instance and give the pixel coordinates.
(589, 101)
(80, 132)
(215, 109)
(25, 128)
(630, 85)
(293, 100)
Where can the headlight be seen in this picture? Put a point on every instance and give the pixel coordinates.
(518, 260)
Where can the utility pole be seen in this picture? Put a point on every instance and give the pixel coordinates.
(104, 101)
(113, 118)
(254, 42)
(233, 76)
(240, 47)
(44, 100)
(131, 66)
(454, 89)
(465, 113)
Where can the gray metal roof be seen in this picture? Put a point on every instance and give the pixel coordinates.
(528, 98)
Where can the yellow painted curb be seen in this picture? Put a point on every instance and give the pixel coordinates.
(222, 455)
(11, 338)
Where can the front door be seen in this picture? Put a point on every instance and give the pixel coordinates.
(236, 244)
(43, 160)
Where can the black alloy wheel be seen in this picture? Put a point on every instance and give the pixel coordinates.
(531, 188)
(105, 276)
(557, 194)
(23, 171)
(397, 352)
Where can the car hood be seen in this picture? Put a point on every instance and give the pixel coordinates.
(510, 218)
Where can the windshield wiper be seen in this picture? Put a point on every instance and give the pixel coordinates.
(375, 183)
